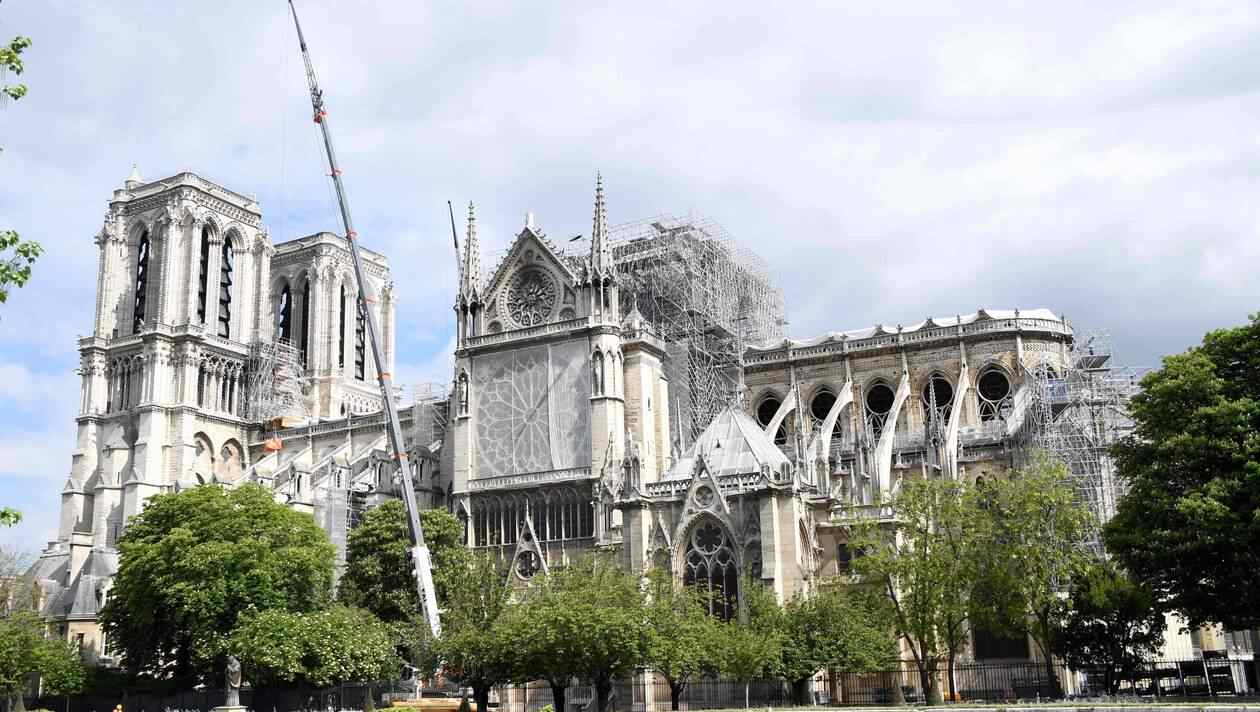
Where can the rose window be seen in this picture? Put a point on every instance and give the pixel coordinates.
(531, 297)
(527, 564)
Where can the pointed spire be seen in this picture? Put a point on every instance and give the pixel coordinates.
(601, 252)
(470, 290)
(133, 178)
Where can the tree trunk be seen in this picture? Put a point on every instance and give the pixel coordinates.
(481, 695)
(800, 691)
(603, 689)
(745, 694)
(949, 669)
(895, 696)
(1055, 691)
(557, 695)
(675, 693)
(931, 682)
(369, 704)
(18, 703)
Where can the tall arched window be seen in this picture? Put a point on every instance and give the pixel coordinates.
(305, 344)
(341, 329)
(709, 565)
(225, 290)
(203, 278)
(597, 373)
(766, 411)
(360, 342)
(879, 402)
(142, 281)
(285, 312)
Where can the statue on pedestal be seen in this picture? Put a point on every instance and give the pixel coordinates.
(232, 682)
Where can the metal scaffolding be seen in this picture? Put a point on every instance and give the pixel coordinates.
(276, 381)
(707, 297)
(1077, 415)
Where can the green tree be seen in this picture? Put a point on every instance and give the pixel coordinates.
(24, 648)
(833, 627)
(749, 647)
(471, 645)
(1111, 625)
(1189, 526)
(925, 565)
(9, 517)
(1033, 546)
(378, 573)
(16, 255)
(584, 621)
(193, 562)
(681, 635)
(321, 648)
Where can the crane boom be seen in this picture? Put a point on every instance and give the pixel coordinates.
(367, 297)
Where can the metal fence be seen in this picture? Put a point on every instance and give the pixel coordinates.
(973, 683)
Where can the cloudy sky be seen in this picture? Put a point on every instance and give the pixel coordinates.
(889, 160)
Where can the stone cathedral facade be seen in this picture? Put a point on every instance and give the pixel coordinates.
(556, 438)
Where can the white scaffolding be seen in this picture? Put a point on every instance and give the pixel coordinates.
(707, 296)
(1077, 415)
(275, 382)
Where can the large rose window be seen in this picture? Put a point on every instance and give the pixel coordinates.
(531, 297)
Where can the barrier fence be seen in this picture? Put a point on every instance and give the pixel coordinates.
(647, 692)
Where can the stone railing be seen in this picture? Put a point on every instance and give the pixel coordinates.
(531, 332)
(728, 483)
(529, 479)
(841, 345)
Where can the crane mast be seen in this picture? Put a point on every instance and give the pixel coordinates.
(367, 297)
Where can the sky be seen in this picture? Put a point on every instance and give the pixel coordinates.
(890, 161)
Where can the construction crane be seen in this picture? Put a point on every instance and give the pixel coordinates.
(367, 297)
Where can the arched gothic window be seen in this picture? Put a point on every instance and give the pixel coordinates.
(879, 402)
(305, 340)
(142, 281)
(709, 565)
(341, 329)
(360, 342)
(766, 411)
(994, 391)
(938, 396)
(203, 279)
(225, 290)
(285, 330)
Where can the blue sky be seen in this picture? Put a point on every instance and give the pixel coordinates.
(890, 161)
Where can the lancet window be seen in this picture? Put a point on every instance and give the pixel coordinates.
(142, 281)
(341, 329)
(285, 314)
(203, 279)
(558, 515)
(304, 341)
(225, 290)
(709, 565)
(360, 342)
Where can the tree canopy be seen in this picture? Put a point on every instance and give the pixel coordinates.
(193, 562)
(24, 649)
(16, 255)
(322, 648)
(680, 635)
(378, 573)
(471, 642)
(1110, 624)
(834, 627)
(1189, 526)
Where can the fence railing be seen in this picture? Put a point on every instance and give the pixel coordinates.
(983, 682)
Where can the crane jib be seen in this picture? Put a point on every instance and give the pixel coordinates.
(367, 296)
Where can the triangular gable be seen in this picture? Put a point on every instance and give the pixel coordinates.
(528, 237)
(704, 494)
(526, 544)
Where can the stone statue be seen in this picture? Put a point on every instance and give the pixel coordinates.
(232, 682)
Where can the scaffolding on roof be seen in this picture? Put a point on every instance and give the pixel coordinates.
(276, 381)
(708, 297)
(1076, 415)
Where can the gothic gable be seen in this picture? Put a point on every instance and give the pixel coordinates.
(533, 285)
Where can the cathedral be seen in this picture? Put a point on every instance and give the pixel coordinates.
(636, 396)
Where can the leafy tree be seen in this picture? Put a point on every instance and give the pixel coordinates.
(193, 562)
(322, 648)
(747, 653)
(681, 635)
(1111, 625)
(24, 648)
(584, 621)
(15, 267)
(1189, 526)
(927, 570)
(834, 627)
(9, 517)
(471, 644)
(378, 573)
(1035, 528)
